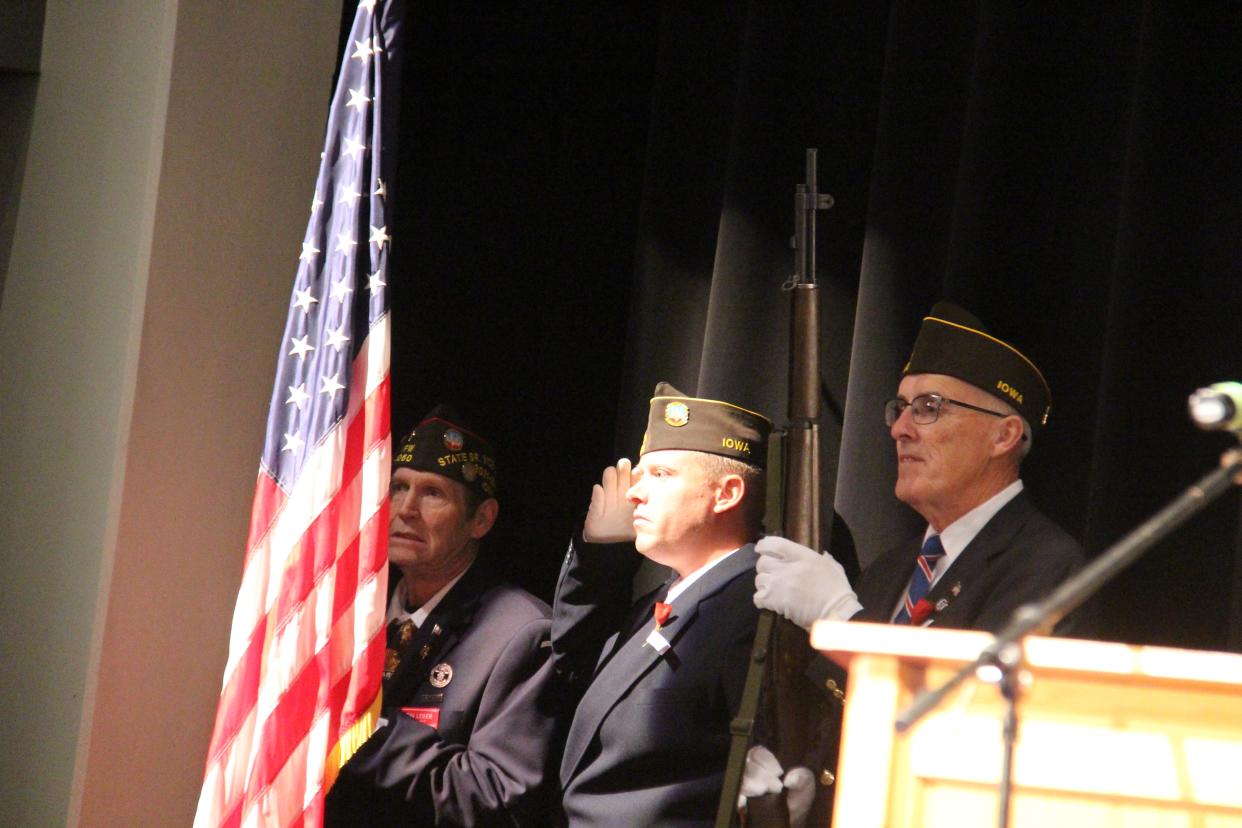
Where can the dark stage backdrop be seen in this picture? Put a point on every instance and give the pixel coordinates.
(594, 198)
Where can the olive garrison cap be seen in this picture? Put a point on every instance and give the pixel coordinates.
(676, 421)
(954, 342)
(441, 443)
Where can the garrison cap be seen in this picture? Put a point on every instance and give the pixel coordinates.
(442, 444)
(953, 342)
(676, 421)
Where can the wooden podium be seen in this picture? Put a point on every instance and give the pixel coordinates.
(1110, 735)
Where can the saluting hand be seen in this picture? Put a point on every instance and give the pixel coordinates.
(610, 518)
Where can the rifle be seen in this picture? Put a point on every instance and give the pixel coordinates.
(780, 653)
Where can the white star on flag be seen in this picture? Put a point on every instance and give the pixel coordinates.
(298, 395)
(357, 100)
(353, 147)
(308, 251)
(378, 236)
(301, 347)
(380, 190)
(293, 443)
(303, 299)
(375, 282)
(348, 196)
(336, 338)
(344, 242)
(363, 49)
(330, 386)
(341, 289)
(316, 203)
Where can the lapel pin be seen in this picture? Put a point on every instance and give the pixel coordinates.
(441, 674)
(655, 638)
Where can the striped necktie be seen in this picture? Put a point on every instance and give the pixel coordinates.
(920, 584)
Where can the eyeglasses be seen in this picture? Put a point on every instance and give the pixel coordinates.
(925, 409)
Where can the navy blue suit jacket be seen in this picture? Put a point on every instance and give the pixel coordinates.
(650, 738)
(1018, 557)
(491, 760)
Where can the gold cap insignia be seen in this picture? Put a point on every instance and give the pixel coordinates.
(676, 414)
(453, 441)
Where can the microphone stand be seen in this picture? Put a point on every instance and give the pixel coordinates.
(1004, 652)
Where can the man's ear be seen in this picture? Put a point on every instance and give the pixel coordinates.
(484, 518)
(730, 490)
(1008, 435)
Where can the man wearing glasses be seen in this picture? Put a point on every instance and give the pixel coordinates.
(962, 421)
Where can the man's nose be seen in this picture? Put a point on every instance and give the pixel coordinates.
(404, 503)
(634, 493)
(903, 426)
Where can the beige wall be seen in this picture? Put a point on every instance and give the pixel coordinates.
(171, 161)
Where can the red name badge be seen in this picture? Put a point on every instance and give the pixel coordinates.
(429, 716)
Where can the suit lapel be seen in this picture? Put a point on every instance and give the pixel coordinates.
(968, 568)
(632, 659)
(639, 614)
(890, 583)
(964, 570)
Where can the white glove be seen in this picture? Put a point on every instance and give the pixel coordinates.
(801, 584)
(799, 795)
(762, 775)
(610, 518)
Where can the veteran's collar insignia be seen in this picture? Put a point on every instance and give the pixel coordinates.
(441, 674)
(453, 441)
(676, 414)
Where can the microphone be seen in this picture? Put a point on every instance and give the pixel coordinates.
(1217, 407)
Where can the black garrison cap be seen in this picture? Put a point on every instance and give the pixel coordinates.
(953, 342)
(441, 443)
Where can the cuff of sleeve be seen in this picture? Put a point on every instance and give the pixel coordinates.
(845, 609)
(618, 558)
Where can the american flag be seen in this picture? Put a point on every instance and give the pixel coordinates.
(301, 688)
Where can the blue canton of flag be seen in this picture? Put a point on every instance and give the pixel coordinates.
(340, 289)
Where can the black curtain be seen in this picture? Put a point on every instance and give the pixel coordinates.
(594, 199)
